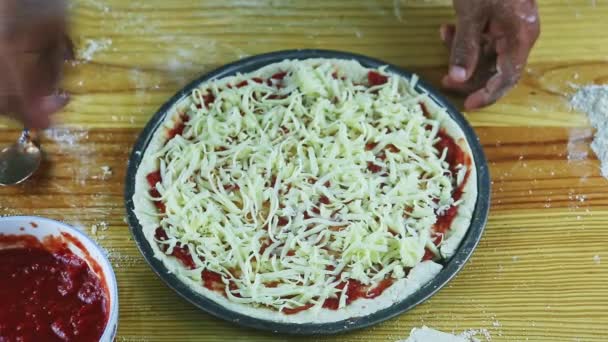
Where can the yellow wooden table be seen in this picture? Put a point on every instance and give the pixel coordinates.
(541, 271)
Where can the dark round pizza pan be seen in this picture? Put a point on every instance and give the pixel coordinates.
(451, 267)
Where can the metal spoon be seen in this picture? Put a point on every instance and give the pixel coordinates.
(19, 161)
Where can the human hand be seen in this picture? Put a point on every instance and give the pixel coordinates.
(489, 47)
(33, 47)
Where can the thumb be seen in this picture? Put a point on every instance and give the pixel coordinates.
(465, 49)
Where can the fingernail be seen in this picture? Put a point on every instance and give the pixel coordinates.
(458, 74)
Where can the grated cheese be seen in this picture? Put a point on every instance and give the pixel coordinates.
(288, 168)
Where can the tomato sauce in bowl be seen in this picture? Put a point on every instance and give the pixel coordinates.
(50, 296)
(52, 287)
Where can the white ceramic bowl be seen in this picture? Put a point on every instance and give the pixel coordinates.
(42, 227)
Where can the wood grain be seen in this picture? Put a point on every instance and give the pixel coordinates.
(539, 273)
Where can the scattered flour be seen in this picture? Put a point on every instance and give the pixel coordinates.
(120, 260)
(94, 46)
(397, 10)
(593, 100)
(72, 143)
(96, 4)
(471, 334)
(106, 172)
(99, 227)
(577, 148)
(65, 137)
(426, 334)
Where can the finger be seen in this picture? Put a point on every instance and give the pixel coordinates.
(34, 47)
(8, 104)
(34, 22)
(41, 101)
(465, 48)
(446, 33)
(488, 48)
(33, 103)
(36, 78)
(39, 111)
(40, 73)
(508, 71)
(489, 45)
(512, 57)
(457, 87)
(494, 89)
(56, 56)
(38, 47)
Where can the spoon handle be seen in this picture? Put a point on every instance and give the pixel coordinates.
(25, 136)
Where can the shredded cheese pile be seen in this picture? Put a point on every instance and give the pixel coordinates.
(288, 188)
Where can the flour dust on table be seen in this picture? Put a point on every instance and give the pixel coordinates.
(426, 334)
(593, 101)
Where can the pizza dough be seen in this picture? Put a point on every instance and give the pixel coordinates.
(275, 193)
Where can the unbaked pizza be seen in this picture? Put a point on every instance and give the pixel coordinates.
(307, 191)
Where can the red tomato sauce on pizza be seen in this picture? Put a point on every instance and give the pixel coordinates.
(455, 156)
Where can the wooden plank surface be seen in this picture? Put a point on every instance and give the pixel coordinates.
(541, 270)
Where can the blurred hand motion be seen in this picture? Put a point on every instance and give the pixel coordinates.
(33, 47)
